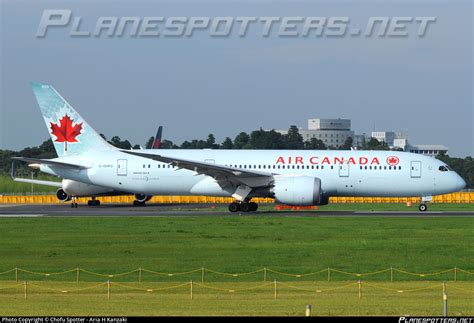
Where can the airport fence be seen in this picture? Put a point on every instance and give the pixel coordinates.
(273, 286)
(459, 197)
(264, 275)
(342, 293)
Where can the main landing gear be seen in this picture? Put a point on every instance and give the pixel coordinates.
(139, 203)
(93, 202)
(243, 207)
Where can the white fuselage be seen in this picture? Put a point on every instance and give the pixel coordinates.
(342, 173)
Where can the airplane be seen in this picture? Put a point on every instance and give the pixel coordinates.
(91, 166)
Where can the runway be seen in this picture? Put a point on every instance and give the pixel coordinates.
(25, 210)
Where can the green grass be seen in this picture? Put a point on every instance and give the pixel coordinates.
(236, 244)
(7, 185)
(335, 299)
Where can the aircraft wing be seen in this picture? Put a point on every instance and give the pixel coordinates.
(49, 162)
(224, 175)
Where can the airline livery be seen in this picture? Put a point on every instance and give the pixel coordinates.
(92, 167)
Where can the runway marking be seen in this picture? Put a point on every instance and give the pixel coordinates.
(401, 212)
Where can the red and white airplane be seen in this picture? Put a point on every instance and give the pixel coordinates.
(90, 166)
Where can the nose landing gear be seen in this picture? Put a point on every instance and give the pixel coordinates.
(423, 207)
(74, 202)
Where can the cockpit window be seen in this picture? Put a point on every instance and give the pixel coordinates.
(443, 168)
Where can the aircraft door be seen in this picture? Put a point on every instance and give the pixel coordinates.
(415, 169)
(344, 170)
(121, 167)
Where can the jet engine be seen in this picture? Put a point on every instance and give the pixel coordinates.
(62, 196)
(297, 190)
(72, 188)
(142, 198)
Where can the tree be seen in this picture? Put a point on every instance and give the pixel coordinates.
(227, 143)
(211, 142)
(261, 139)
(374, 144)
(294, 138)
(149, 143)
(117, 142)
(314, 143)
(168, 144)
(241, 140)
(347, 144)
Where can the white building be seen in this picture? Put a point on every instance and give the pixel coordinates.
(384, 136)
(332, 132)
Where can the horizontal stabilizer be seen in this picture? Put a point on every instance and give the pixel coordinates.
(39, 182)
(49, 162)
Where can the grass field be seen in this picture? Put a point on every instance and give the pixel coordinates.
(7, 185)
(342, 298)
(235, 244)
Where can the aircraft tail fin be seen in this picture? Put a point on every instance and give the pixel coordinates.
(70, 133)
(157, 141)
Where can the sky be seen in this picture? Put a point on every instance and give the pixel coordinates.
(193, 86)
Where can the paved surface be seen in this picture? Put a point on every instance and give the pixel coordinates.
(25, 210)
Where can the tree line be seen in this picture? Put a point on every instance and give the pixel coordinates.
(257, 139)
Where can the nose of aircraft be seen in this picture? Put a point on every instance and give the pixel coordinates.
(460, 182)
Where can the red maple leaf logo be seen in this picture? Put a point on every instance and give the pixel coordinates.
(66, 131)
(393, 160)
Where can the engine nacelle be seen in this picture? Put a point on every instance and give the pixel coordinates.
(62, 196)
(142, 198)
(297, 190)
(73, 188)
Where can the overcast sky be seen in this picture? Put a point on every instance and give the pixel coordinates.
(197, 85)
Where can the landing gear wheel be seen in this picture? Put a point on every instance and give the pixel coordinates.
(245, 207)
(93, 202)
(253, 206)
(138, 203)
(248, 207)
(423, 207)
(74, 202)
(234, 207)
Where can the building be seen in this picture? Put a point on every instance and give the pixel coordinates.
(384, 136)
(335, 132)
(332, 132)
